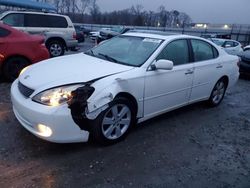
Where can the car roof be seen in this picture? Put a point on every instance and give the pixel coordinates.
(160, 35)
(30, 12)
(224, 40)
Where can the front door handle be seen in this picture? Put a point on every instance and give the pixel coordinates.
(189, 71)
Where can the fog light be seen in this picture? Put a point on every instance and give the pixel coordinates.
(44, 130)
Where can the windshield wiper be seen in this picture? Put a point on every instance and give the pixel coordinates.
(90, 52)
(109, 58)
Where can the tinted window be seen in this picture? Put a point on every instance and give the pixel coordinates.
(15, 20)
(36, 20)
(176, 51)
(4, 32)
(202, 50)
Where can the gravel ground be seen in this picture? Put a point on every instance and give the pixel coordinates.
(194, 146)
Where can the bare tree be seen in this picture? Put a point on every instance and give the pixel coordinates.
(94, 11)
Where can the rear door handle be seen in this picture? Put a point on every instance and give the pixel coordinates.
(219, 66)
(189, 71)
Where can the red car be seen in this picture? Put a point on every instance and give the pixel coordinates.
(18, 50)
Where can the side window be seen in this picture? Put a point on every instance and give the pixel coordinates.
(15, 20)
(35, 20)
(202, 50)
(57, 21)
(176, 51)
(236, 44)
(216, 53)
(31, 20)
(4, 32)
(229, 44)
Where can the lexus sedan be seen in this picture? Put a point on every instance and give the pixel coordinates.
(18, 50)
(126, 80)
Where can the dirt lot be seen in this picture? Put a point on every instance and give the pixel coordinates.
(194, 146)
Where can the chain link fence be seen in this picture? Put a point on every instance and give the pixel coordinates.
(240, 33)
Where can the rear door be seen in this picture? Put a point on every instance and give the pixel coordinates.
(207, 69)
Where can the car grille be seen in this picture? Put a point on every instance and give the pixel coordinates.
(25, 90)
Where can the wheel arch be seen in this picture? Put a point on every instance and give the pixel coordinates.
(130, 97)
(13, 56)
(57, 39)
(226, 79)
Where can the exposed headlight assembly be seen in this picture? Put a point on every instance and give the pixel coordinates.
(56, 96)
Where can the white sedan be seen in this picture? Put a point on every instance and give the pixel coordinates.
(131, 78)
(232, 47)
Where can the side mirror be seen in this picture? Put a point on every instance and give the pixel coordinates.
(162, 64)
(228, 46)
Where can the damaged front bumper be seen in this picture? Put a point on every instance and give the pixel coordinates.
(54, 124)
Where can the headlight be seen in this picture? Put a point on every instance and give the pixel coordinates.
(23, 70)
(56, 96)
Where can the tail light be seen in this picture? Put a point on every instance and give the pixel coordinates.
(74, 35)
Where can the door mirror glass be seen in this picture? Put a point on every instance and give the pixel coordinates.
(163, 64)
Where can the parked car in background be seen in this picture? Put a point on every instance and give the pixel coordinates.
(94, 34)
(108, 34)
(245, 62)
(18, 50)
(127, 79)
(58, 29)
(246, 48)
(214, 35)
(80, 36)
(85, 30)
(232, 47)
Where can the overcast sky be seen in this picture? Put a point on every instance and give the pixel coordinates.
(211, 11)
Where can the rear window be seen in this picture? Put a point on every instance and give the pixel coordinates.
(37, 20)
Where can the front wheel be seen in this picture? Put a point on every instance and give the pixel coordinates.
(13, 66)
(113, 124)
(218, 93)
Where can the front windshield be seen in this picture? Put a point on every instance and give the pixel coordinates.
(127, 50)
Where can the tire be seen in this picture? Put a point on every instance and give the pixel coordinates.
(13, 66)
(218, 93)
(56, 48)
(108, 128)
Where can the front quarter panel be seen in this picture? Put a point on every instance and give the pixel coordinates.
(131, 82)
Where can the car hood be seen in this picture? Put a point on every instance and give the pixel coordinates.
(69, 69)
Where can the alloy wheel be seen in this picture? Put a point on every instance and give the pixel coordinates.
(218, 92)
(116, 121)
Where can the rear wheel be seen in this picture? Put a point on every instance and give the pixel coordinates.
(13, 66)
(56, 48)
(113, 124)
(218, 93)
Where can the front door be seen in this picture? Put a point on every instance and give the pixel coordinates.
(168, 89)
